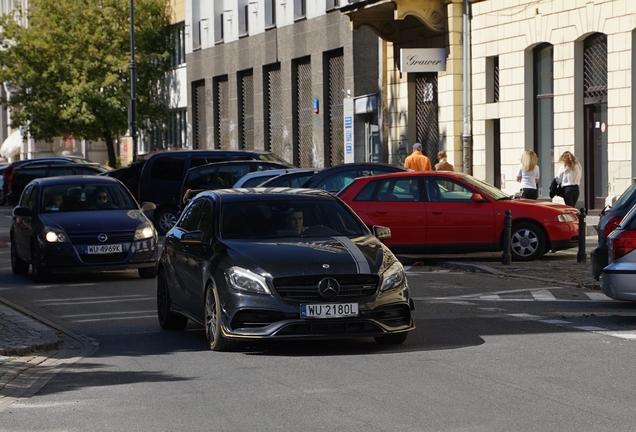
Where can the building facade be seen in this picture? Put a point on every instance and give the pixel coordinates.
(280, 75)
(554, 76)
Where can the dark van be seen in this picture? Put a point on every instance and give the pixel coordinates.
(22, 175)
(163, 175)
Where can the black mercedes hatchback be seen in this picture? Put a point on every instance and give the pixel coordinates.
(280, 264)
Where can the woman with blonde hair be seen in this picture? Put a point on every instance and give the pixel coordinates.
(569, 177)
(528, 175)
(443, 164)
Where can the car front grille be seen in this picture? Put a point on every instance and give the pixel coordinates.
(113, 237)
(305, 288)
(104, 258)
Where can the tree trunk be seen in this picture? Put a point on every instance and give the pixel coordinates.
(110, 146)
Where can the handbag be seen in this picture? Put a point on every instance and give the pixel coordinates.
(556, 189)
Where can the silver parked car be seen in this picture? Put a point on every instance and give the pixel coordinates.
(618, 277)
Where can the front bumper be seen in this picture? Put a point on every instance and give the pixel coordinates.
(268, 317)
(67, 257)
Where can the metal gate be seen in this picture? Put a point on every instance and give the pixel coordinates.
(426, 109)
(336, 110)
(274, 123)
(198, 106)
(247, 111)
(222, 117)
(303, 147)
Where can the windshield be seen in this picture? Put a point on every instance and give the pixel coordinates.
(288, 217)
(485, 188)
(625, 198)
(86, 197)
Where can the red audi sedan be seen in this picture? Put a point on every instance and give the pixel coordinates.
(451, 212)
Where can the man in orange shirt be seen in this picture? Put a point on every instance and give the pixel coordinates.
(417, 161)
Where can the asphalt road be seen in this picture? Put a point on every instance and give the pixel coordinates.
(489, 353)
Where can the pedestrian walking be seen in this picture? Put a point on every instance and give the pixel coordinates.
(417, 161)
(569, 177)
(528, 175)
(443, 164)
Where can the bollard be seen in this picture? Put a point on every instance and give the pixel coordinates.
(506, 258)
(580, 256)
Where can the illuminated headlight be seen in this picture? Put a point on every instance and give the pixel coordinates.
(247, 281)
(566, 217)
(55, 235)
(393, 277)
(144, 231)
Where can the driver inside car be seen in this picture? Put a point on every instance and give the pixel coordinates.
(294, 222)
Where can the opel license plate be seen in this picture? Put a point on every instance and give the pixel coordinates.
(329, 310)
(104, 249)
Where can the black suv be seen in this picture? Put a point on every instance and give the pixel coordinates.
(163, 175)
(22, 175)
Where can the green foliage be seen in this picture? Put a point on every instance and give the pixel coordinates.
(69, 69)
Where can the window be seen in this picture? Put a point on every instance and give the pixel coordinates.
(447, 191)
(177, 55)
(492, 79)
(168, 168)
(270, 13)
(218, 21)
(171, 134)
(332, 4)
(300, 9)
(243, 13)
(544, 113)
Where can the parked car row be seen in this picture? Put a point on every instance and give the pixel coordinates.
(614, 259)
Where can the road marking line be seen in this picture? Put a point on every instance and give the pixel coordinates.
(526, 316)
(543, 295)
(629, 335)
(598, 296)
(555, 321)
(590, 328)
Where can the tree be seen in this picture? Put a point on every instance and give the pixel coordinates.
(69, 66)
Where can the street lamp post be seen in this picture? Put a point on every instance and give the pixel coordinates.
(132, 103)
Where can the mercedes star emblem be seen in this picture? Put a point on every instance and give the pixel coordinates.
(328, 288)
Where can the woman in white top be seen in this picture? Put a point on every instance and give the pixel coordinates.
(528, 174)
(569, 177)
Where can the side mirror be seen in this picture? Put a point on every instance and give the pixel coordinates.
(381, 232)
(22, 211)
(476, 198)
(194, 237)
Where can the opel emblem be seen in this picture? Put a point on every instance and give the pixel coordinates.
(328, 288)
(102, 237)
(325, 266)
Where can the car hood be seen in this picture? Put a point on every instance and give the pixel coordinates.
(94, 221)
(533, 204)
(310, 256)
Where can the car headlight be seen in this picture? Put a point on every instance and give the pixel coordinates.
(241, 279)
(393, 277)
(567, 217)
(55, 235)
(144, 231)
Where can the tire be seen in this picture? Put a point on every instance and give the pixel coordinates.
(392, 339)
(147, 272)
(527, 242)
(39, 275)
(165, 219)
(213, 332)
(168, 320)
(18, 265)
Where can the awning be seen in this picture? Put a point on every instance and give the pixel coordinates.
(12, 144)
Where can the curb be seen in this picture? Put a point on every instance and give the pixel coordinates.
(23, 335)
(475, 268)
